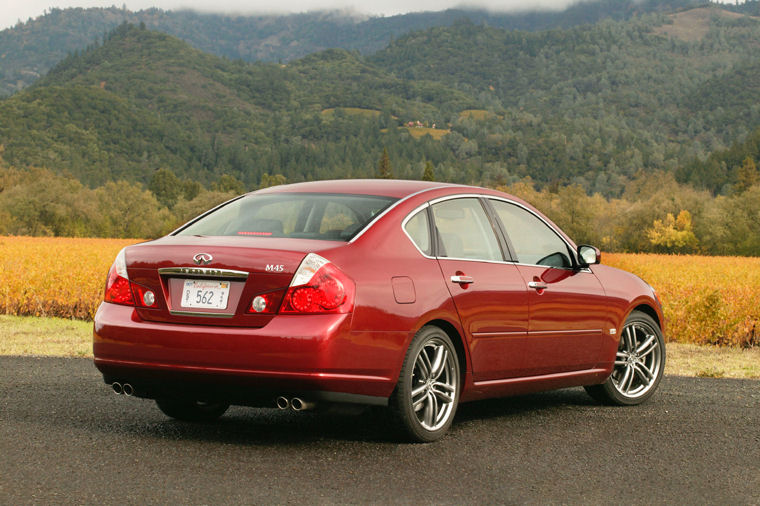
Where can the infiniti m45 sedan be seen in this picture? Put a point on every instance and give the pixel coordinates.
(411, 295)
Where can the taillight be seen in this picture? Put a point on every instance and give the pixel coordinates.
(318, 286)
(119, 290)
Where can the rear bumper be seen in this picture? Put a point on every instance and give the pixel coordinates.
(316, 356)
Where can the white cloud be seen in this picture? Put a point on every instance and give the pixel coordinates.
(11, 11)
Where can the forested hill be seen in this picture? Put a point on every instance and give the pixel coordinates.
(31, 48)
(589, 105)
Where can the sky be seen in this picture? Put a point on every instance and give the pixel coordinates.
(11, 11)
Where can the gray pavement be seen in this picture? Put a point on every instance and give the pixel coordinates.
(66, 439)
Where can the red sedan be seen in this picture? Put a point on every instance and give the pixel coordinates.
(407, 294)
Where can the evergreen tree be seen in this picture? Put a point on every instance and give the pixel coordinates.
(746, 176)
(428, 174)
(384, 170)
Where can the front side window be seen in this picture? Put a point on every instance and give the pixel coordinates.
(535, 243)
(296, 215)
(464, 230)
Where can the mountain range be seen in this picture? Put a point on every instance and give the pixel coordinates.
(591, 104)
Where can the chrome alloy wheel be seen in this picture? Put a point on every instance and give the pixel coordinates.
(434, 384)
(638, 360)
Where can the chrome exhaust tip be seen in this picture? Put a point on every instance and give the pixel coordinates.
(128, 389)
(299, 404)
(117, 388)
(282, 402)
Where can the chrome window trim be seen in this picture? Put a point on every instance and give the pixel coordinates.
(502, 199)
(203, 272)
(391, 207)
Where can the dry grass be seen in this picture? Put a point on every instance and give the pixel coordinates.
(55, 276)
(706, 300)
(435, 133)
(476, 114)
(50, 337)
(352, 111)
(692, 25)
(58, 337)
(712, 362)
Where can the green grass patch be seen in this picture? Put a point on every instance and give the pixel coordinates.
(50, 337)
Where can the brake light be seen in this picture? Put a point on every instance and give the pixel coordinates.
(120, 290)
(318, 286)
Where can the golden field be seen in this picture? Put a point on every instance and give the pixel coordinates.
(707, 300)
(55, 276)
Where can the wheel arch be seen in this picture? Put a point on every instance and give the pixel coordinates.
(648, 310)
(457, 341)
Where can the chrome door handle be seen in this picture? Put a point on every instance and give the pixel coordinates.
(536, 285)
(462, 280)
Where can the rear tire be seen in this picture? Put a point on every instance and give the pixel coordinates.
(192, 411)
(639, 363)
(427, 394)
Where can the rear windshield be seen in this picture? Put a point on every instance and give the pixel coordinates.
(299, 215)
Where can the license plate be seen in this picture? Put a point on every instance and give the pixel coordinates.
(205, 294)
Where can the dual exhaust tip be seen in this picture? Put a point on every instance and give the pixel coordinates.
(125, 389)
(296, 404)
(283, 403)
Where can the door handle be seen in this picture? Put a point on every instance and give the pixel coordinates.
(536, 285)
(462, 280)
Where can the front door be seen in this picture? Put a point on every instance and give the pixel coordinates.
(566, 304)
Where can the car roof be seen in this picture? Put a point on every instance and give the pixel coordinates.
(396, 188)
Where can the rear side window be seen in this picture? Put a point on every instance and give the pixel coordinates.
(297, 215)
(418, 230)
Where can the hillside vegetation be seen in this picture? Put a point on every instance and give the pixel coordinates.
(29, 49)
(621, 132)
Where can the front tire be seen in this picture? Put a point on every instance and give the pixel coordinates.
(428, 389)
(639, 363)
(192, 411)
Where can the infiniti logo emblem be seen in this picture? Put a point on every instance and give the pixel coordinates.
(202, 259)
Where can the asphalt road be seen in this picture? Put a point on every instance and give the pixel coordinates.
(65, 438)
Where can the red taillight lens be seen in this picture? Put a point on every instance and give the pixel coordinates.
(328, 290)
(118, 290)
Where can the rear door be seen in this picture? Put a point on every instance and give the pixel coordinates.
(488, 292)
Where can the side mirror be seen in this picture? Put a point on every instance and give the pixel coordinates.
(589, 255)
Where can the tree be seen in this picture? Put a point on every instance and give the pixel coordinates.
(273, 180)
(673, 235)
(384, 170)
(428, 174)
(746, 176)
(166, 186)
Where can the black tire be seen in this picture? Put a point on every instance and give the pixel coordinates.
(427, 394)
(192, 411)
(639, 363)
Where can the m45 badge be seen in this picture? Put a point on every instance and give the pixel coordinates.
(275, 268)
